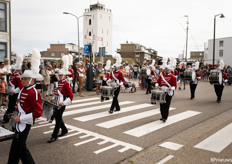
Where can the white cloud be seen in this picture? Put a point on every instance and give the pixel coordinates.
(154, 23)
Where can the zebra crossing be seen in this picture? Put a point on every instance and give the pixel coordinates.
(98, 111)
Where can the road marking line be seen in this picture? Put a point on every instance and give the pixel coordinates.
(106, 113)
(86, 141)
(218, 141)
(70, 135)
(83, 100)
(106, 148)
(153, 126)
(43, 122)
(84, 136)
(127, 119)
(87, 104)
(171, 145)
(35, 127)
(165, 159)
(103, 142)
(93, 108)
(123, 149)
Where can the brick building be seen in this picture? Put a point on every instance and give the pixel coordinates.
(197, 55)
(137, 52)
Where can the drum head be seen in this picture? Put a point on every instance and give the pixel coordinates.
(148, 72)
(193, 75)
(220, 77)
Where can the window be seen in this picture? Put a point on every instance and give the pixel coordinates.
(137, 55)
(3, 51)
(201, 54)
(52, 54)
(194, 54)
(3, 17)
(89, 21)
(62, 54)
(89, 33)
(220, 53)
(221, 43)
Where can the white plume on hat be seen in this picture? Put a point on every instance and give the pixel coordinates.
(19, 62)
(70, 59)
(153, 63)
(222, 64)
(35, 63)
(197, 65)
(64, 70)
(164, 65)
(108, 63)
(118, 60)
(172, 63)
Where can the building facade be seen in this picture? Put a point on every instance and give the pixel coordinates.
(137, 52)
(197, 55)
(97, 28)
(5, 30)
(223, 51)
(56, 51)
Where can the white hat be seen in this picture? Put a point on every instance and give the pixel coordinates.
(118, 60)
(35, 63)
(64, 70)
(19, 62)
(164, 65)
(70, 59)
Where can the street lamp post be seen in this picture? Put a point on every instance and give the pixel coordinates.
(77, 30)
(214, 31)
(186, 50)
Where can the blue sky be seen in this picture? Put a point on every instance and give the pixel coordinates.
(157, 24)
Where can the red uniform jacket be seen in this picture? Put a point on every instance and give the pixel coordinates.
(30, 101)
(65, 89)
(72, 73)
(171, 79)
(176, 72)
(15, 80)
(118, 75)
(107, 76)
(224, 76)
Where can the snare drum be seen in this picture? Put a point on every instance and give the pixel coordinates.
(215, 77)
(106, 91)
(189, 75)
(158, 95)
(6, 134)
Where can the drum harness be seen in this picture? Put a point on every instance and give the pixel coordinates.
(115, 80)
(169, 93)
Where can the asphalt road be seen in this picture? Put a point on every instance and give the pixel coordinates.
(135, 133)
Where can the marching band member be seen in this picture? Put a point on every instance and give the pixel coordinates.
(193, 84)
(168, 80)
(118, 78)
(14, 86)
(150, 75)
(219, 88)
(107, 76)
(65, 95)
(172, 65)
(29, 107)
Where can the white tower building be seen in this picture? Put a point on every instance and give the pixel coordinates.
(97, 29)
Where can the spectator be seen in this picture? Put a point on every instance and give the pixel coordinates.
(135, 69)
(99, 71)
(2, 90)
(3, 70)
(181, 74)
(24, 66)
(127, 71)
(81, 73)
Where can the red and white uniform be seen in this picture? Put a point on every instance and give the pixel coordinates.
(171, 79)
(224, 77)
(72, 73)
(117, 76)
(175, 73)
(198, 77)
(64, 91)
(29, 107)
(107, 76)
(15, 83)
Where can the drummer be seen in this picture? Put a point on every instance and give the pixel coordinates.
(168, 80)
(194, 82)
(218, 88)
(65, 94)
(105, 78)
(29, 108)
(118, 78)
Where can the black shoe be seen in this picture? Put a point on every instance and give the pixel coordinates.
(52, 139)
(107, 98)
(161, 119)
(191, 98)
(3, 122)
(135, 89)
(164, 120)
(50, 121)
(184, 88)
(62, 134)
(111, 111)
(117, 110)
(218, 101)
(179, 88)
(102, 100)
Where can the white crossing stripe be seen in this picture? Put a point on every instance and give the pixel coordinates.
(35, 127)
(106, 148)
(84, 100)
(82, 110)
(70, 135)
(106, 113)
(171, 145)
(153, 126)
(86, 104)
(86, 141)
(127, 119)
(165, 159)
(218, 141)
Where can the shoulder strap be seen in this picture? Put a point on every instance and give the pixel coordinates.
(165, 81)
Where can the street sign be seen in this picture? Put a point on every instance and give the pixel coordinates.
(86, 48)
(97, 38)
(88, 37)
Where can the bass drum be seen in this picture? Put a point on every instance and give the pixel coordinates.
(215, 77)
